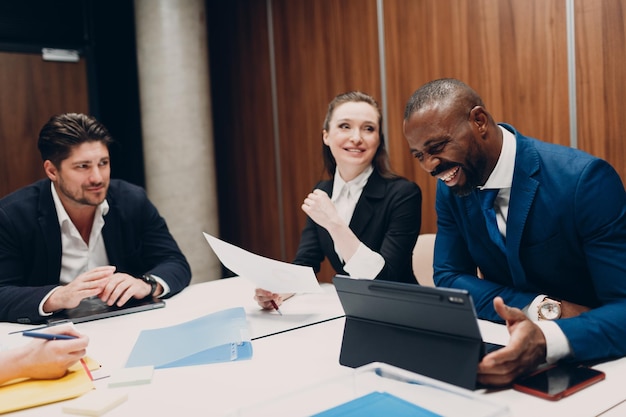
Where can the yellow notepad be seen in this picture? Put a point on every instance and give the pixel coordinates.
(26, 393)
(95, 403)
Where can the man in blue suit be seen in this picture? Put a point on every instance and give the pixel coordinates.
(79, 234)
(554, 267)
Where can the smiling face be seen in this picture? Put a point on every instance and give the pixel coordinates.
(82, 179)
(353, 137)
(448, 143)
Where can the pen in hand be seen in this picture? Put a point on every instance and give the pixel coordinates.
(48, 336)
(276, 307)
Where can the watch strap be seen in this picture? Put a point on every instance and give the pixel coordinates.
(149, 279)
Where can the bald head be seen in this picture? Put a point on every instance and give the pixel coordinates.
(451, 134)
(444, 93)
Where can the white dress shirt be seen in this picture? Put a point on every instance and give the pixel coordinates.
(78, 256)
(365, 263)
(557, 345)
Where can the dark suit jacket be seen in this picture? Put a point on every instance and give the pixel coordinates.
(386, 219)
(566, 237)
(136, 237)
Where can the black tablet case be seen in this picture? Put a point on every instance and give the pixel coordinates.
(431, 331)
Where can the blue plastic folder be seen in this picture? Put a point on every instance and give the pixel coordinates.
(223, 336)
(377, 404)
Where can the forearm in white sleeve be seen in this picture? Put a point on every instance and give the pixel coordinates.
(365, 263)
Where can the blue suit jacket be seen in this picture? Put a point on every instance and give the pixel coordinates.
(136, 238)
(566, 237)
(386, 219)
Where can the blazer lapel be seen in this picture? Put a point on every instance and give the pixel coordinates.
(111, 232)
(475, 211)
(523, 193)
(49, 223)
(373, 192)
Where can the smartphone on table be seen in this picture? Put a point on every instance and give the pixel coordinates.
(558, 381)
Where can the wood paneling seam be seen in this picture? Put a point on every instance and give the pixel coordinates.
(571, 71)
(383, 74)
(279, 188)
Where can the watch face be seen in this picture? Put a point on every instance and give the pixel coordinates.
(550, 311)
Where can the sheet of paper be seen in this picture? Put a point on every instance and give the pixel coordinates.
(269, 274)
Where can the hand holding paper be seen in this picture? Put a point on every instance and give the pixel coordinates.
(269, 274)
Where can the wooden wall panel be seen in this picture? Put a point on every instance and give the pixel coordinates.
(600, 82)
(513, 52)
(33, 90)
(323, 48)
(244, 133)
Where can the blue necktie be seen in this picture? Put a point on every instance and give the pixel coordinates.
(487, 198)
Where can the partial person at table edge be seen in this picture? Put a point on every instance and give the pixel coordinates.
(365, 219)
(43, 359)
(554, 266)
(78, 233)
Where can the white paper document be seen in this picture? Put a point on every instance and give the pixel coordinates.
(266, 273)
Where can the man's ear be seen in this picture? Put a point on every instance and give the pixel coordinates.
(50, 170)
(479, 120)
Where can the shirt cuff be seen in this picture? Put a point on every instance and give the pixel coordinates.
(41, 312)
(365, 263)
(557, 345)
(166, 288)
(532, 310)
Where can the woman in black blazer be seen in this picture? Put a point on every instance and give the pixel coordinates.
(365, 219)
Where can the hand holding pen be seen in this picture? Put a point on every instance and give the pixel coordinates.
(269, 300)
(58, 348)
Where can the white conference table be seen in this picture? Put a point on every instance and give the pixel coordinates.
(290, 353)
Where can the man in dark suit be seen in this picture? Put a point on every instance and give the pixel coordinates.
(79, 234)
(551, 245)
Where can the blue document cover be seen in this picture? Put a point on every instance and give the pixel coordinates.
(377, 404)
(222, 336)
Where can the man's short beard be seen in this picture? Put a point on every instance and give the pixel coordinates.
(465, 189)
(472, 178)
(77, 197)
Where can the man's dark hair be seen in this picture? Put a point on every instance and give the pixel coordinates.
(64, 131)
